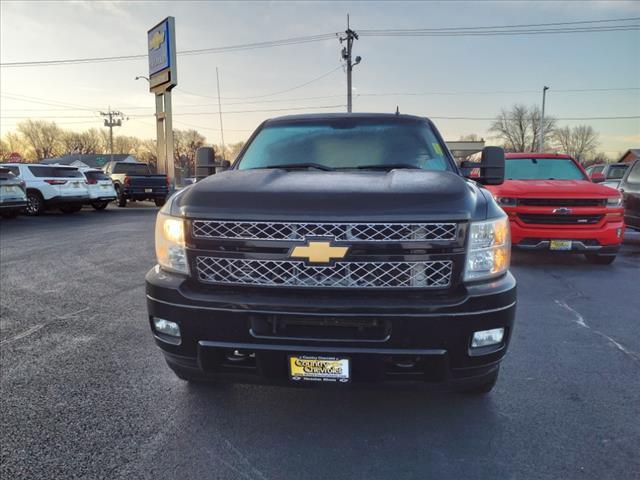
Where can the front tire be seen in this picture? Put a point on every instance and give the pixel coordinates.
(35, 204)
(600, 259)
(100, 205)
(122, 200)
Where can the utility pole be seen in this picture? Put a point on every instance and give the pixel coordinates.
(115, 120)
(349, 37)
(220, 112)
(541, 142)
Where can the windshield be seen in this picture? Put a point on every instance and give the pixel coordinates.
(616, 171)
(95, 175)
(347, 143)
(131, 168)
(542, 169)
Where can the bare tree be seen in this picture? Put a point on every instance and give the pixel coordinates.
(185, 144)
(580, 141)
(43, 137)
(147, 153)
(12, 143)
(519, 128)
(599, 157)
(125, 144)
(471, 137)
(231, 150)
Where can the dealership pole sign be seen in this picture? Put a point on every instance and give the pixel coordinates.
(161, 42)
(163, 76)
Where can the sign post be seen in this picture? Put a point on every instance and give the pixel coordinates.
(163, 76)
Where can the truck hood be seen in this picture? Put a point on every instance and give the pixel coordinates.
(552, 188)
(276, 194)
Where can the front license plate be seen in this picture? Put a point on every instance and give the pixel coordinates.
(560, 245)
(148, 190)
(319, 369)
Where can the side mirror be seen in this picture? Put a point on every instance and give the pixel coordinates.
(205, 162)
(222, 166)
(597, 177)
(491, 167)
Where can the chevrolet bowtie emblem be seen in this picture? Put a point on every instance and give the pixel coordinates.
(157, 39)
(318, 252)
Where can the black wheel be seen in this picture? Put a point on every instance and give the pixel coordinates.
(35, 203)
(600, 259)
(483, 388)
(122, 200)
(71, 208)
(100, 205)
(159, 202)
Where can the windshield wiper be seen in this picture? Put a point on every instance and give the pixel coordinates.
(285, 166)
(387, 166)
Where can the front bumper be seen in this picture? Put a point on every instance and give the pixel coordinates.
(66, 199)
(13, 204)
(107, 198)
(433, 332)
(604, 237)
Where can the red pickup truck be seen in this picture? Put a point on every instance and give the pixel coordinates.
(553, 205)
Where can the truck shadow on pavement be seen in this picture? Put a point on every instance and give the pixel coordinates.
(351, 432)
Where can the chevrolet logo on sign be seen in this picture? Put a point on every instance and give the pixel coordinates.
(318, 252)
(157, 39)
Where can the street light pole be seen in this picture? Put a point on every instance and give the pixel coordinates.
(541, 142)
(220, 112)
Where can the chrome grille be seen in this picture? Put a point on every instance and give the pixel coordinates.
(240, 271)
(364, 232)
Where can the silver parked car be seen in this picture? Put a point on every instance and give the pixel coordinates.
(13, 195)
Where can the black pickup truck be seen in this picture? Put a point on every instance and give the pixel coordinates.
(338, 248)
(134, 181)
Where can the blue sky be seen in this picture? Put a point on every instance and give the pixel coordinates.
(451, 65)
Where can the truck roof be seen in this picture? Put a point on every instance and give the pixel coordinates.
(335, 116)
(536, 155)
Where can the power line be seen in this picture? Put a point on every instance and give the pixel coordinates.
(43, 101)
(199, 51)
(584, 26)
(296, 87)
(521, 25)
(487, 33)
(325, 97)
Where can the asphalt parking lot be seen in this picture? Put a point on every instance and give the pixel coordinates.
(86, 394)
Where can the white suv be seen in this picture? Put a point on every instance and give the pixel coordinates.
(51, 186)
(100, 186)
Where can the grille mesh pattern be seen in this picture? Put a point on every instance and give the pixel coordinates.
(365, 232)
(239, 271)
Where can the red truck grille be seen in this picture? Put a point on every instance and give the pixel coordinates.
(538, 218)
(563, 202)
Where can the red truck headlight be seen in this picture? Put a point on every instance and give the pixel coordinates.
(507, 201)
(614, 202)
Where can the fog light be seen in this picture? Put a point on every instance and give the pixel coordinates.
(619, 232)
(485, 338)
(166, 327)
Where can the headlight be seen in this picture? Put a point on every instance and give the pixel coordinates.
(170, 247)
(614, 202)
(507, 201)
(488, 250)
